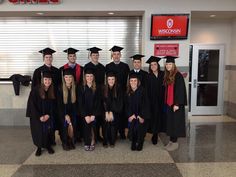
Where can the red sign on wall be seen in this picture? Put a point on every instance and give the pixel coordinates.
(169, 26)
(166, 50)
(34, 1)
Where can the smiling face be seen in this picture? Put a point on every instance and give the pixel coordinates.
(68, 79)
(111, 81)
(169, 66)
(71, 58)
(94, 57)
(116, 56)
(154, 66)
(47, 82)
(137, 64)
(133, 83)
(89, 78)
(48, 59)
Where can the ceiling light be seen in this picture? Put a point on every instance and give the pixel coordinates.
(110, 13)
(212, 16)
(40, 13)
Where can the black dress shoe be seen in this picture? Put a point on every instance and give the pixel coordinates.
(50, 150)
(105, 145)
(72, 145)
(65, 147)
(154, 139)
(133, 146)
(140, 146)
(38, 152)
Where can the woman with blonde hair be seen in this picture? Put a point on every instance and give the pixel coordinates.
(175, 100)
(67, 107)
(89, 108)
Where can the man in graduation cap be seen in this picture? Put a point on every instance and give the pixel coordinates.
(47, 59)
(137, 64)
(77, 69)
(55, 72)
(99, 73)
(122, 71)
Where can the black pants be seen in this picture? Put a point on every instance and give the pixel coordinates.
(137, 131)
(88, 128)
(99, 122)
(109, 132)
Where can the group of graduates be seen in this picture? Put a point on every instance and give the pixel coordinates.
(96, 102)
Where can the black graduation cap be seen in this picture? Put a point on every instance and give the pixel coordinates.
(68, 71)
(111, 74)
(47, 74)
(70, 51)
(47, 51)
(170, 59)
(137, 57)
(94, 49)
(133, 75)
(89, 71)
(116, 48)
(18, 79)
(153, 59)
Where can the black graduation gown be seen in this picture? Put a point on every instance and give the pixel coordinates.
(156, 95)
(56, 76)
(42, 132)
(80, 82)
(89, 104)
(112, 104)
(99, 72)
(137, 104)
(67, 109)
(142, 75)
(176, 120)
(122, 71)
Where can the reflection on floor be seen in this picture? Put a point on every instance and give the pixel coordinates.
(209, 150)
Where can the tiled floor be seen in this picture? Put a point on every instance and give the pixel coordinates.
(208, 151)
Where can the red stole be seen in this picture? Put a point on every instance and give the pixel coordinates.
(170, 94)
(77, 71)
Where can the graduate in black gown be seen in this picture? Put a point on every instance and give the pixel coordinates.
(40, 110)
(137, 64)
(67, 108)
(175, 100)
(89, 107)
(137, 112)
(113, 104)
(156, 92)
(99, 73)
(78, 77)
(56, 77)
(76, 68)
(122, 71)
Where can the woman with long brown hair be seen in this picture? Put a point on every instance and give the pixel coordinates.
(67, 107)
(175, 100)
(137, 111)
(113, 104)
(89, 107)
(40, 109)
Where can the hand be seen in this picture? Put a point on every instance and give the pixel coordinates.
(45, 118)
(111, 116)
(141, 120)
(67, 117)
(107, 116)
(92, 118)
(42, 118)
(87, 119)
(131, 118)
(175, 108)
